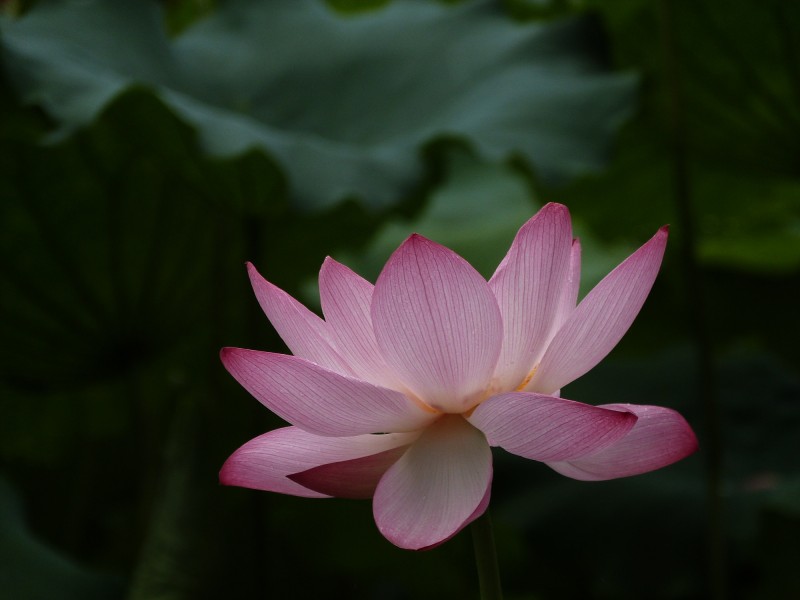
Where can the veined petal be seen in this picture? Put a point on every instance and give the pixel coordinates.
(601, 319)
(265, 462)
(437, 323)
(529, 285)
(660, 437)
(321, 401)
(569, 297)
(436, 487)
(356, 478)
(304, 333)
(346, 300)
(547, 428)
(482, 506)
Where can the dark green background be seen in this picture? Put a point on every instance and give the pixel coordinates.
(148, 150)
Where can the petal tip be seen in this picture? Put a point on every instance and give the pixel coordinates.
(692, 444)
(257, 280)
(415, 239)
(555, 207)
(331, 265)
(226, 477)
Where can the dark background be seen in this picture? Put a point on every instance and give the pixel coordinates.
(148, 150)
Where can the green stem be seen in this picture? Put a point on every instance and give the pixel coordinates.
(486, 558)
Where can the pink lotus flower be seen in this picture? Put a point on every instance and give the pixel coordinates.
(400, 392)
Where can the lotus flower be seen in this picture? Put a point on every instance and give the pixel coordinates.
(401, 391)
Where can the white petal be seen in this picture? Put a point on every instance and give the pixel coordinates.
(436, 487)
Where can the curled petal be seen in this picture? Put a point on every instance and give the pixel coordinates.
(601, 319)
(305, 334)
(346, 300)
(437, 323)
(547, 428)
(529, 285)
(321, 401)
(660, 437)
(356, 478)
(265, 462)
(437, 487)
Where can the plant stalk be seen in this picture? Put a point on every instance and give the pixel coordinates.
(486, 558)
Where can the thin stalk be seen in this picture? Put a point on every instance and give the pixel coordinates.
(682, 195)
(486, 558)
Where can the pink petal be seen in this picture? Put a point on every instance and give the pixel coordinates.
(569, 299)
(529, 285)
(346, 299)
(437, 487)
(304, 333)
(265, 462)
(484, 504)
(601, 319)
(437, 323)
(321, 401)
(660, 437)
(547, 428)
(355, 478)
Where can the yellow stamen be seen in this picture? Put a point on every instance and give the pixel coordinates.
(421, 403)
(527, 379)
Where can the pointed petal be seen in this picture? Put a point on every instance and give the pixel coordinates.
(660, 437)
(346, 300)
(304, 333)
(529, 285)
(355, 478)
(601, 319)
(321, 401)
(265, 462)
(436, 487)
(437, 323)
(547, 428)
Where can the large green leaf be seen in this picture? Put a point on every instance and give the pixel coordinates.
(123, 245)
(342, 103)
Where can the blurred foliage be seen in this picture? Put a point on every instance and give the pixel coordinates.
(455, 214)
(33, 570)
(147, 151)
(737, 81)
(344, 115)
